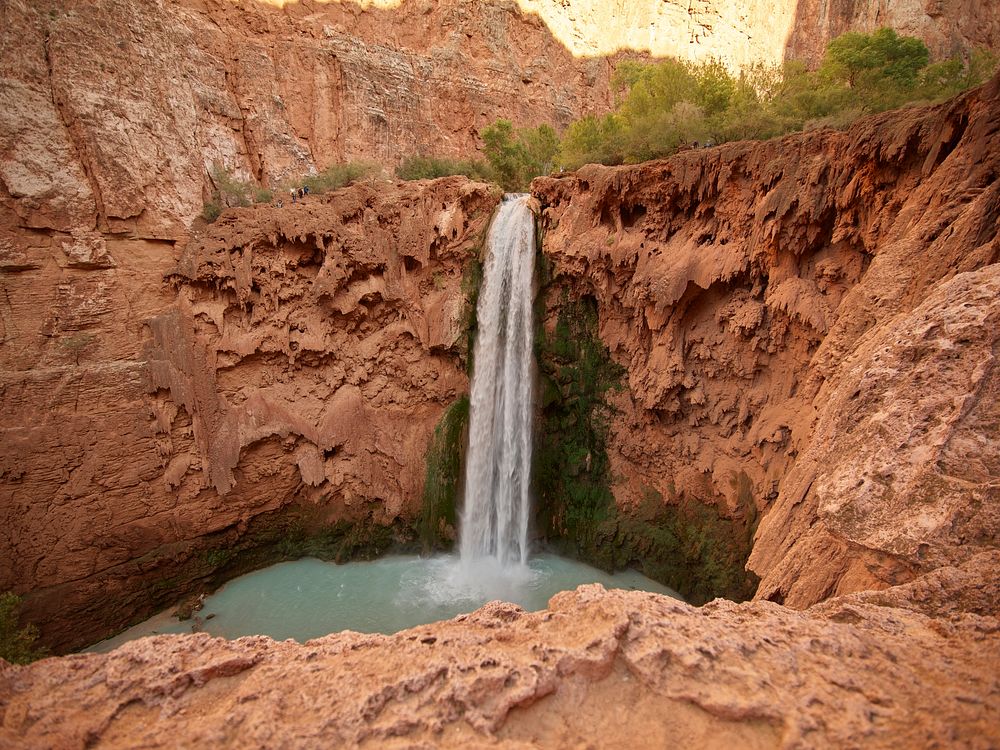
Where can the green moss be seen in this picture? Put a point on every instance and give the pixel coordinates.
(571, 471)
(693, 549)
(472, 282)
(17, 644)
(443, 478)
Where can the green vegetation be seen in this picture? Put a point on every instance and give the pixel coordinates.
(230, 191)
(667, 105)
(690, 547)
(472, 281)
(338, 175)
(571, 470)
(17, 645)
(430, 167)
(516, 157)
(443, 478)
(74, 345)
(513, 158)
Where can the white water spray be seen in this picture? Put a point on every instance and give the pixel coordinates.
(495, 520)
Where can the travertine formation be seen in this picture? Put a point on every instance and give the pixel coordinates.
(597, 669)
(293, 358)
(793, 335)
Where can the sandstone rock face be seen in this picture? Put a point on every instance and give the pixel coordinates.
(947, 26)
(791, 337)
(159, 406)
(113, 113)
(614, 668)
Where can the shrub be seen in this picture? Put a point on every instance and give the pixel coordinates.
(229, 191)
(516, 157)
(432, 167)
(338, 175)
(16, 645)
(666, 105)
(211, 211)
(74, 345)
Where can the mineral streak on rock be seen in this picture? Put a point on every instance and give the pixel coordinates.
(290, 357)
(803, 324)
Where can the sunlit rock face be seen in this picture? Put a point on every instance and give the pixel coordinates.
(737, 32)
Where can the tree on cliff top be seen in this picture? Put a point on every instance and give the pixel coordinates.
(882, 69)
(882, 56)
(518, 156)
(664, 106)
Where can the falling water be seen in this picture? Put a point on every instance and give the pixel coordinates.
(309, 598)
(495, 520)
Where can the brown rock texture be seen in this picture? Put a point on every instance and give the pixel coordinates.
(809, 323)
(948, 27)
(600, 668)
(161, 412)
(112, 113)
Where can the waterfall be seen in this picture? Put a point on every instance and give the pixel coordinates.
(494, 522)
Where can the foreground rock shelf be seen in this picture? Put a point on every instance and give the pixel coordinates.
(599, 668)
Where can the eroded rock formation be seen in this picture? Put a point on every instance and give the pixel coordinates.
(281, 377)
(790, 334)
(615, 669)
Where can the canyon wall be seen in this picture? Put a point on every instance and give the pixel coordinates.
(113, 113)
(144, 363)
(166, 416)
(808, 328)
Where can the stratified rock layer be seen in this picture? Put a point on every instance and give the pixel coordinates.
(164, 411)
(113, 113)
(804, 327)
(597, 669)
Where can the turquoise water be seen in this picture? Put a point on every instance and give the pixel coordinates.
(309, 598)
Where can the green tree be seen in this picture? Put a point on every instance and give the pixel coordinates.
(596, 140)
(948, 77)
(503, 153)
(881, 68)
(518, 156)
(540, 145)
